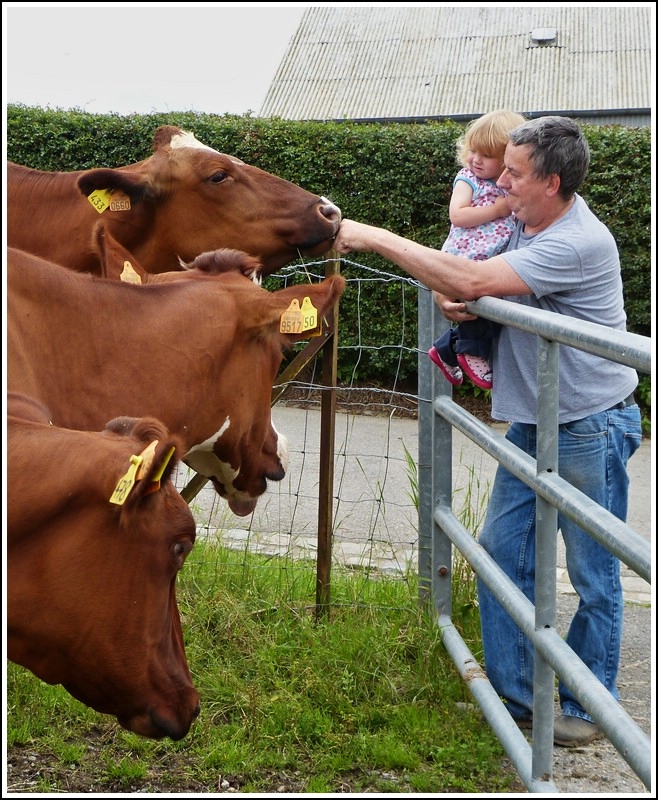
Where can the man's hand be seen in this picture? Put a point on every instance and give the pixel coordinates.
(352, 236)
(454, 310)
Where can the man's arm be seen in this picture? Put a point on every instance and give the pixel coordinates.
(452, 276)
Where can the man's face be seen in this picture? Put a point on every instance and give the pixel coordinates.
(527, 195)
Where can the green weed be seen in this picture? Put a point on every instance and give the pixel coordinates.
(362, 700)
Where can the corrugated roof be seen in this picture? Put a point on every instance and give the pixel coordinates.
(428, 62)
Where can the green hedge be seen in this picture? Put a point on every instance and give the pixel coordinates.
(396, 175)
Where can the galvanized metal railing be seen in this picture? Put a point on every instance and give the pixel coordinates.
(440, 531)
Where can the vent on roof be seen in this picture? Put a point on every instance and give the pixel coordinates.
(543, 36)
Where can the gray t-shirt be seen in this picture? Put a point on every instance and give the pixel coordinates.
(572, 268)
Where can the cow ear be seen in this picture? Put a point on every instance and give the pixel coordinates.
(292, 303)
(147, 472)
(117, 263)
(159, 462)
(151, 464)
(218, 262)
(129, 181)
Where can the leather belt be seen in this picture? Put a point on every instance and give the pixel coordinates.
(627, 401)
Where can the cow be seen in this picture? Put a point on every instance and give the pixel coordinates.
(96, 535)
(118, 264)
(185, 199)
(200, 353)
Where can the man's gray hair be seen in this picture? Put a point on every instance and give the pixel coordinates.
(558, 148)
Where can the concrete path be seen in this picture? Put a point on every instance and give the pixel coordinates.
(375, 522)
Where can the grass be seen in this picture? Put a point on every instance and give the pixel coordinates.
(363, 699)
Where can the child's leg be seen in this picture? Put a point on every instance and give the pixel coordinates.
(442, 353)
(445, 346)
(476, 336)
(473, 348)
(477, 368)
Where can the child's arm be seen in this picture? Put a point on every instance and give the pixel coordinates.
(464, 215)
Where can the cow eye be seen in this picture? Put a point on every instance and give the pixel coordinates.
(181, 550)
(218, 177)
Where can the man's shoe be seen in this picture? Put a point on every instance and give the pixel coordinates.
(524, 723)
(574, 732)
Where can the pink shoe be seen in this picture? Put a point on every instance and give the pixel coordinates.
(453, 374)
(477, 369)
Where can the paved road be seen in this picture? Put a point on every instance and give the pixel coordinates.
(374, 517)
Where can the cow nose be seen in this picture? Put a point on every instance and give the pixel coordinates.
(330, 210)
(277, 474)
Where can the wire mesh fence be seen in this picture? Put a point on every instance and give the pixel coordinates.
(375, 523)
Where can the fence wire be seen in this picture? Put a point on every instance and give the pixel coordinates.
(375, 525)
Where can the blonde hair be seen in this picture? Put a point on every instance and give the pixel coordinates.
(488, 135)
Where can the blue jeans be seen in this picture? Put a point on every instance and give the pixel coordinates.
(593, 453)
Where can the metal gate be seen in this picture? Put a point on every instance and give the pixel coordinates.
(440, 531)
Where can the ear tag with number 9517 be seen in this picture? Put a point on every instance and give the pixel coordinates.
(297, 320)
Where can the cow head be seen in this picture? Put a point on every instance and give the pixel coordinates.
(97, 534)
(247, 450)
(188, 198)
(199, 352)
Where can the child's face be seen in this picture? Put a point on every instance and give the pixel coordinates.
(485, 167)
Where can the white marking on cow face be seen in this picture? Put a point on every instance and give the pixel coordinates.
(202, 459)
(186, 139)
(281, 448)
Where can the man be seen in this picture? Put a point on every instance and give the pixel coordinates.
(563, 259)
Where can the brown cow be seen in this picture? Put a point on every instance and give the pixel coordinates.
(91, 566)
(200, 353)
(183, 200)
(117, 264)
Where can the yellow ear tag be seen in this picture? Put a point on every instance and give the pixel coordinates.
(165, 461)
(126, 483)
(297, 320)
(147, 456)
(311, 320)
(100, 199)
(147, 459)
(292, 319)
(155, 482)
(129, 275)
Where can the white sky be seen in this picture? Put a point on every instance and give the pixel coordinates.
(215, 58)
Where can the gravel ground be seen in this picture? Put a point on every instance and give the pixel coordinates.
(598, 767)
